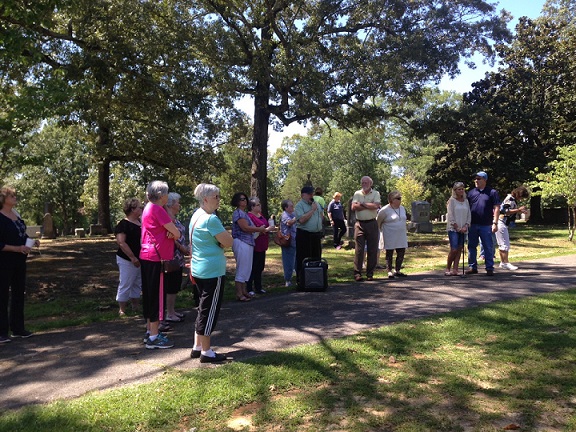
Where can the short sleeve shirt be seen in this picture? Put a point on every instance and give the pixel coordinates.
(133, 233)
(237, 232)
(154, 217)
(371, 197)
(208, 259)
(314, 224)
(482, 204)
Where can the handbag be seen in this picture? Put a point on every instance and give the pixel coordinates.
(168, 266)
(282, 240)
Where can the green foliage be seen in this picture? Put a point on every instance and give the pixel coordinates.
(514, 120)
(55, 174)
(126, 71)
(335, 159)
(126, 181)
(410, 189)
(302, 60)
(16, 126)
(560, 179)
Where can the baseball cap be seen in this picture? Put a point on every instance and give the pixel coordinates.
(307, 190)
(481, 174)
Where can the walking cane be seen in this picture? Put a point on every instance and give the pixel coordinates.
(463, 252)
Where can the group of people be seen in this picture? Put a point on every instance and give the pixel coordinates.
(151, 255)
(477, 216)
(378, 228)
(480, 216)
(153, 247)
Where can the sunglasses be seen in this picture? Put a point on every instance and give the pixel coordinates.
(242, 199)
(398, 198)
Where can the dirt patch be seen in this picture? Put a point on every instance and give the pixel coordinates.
(73, 267)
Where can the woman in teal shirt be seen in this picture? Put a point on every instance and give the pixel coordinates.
(208, 238)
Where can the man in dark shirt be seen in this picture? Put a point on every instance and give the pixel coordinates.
(485, 208)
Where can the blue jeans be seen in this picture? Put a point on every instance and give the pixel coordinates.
(484, 233)
(288, 261)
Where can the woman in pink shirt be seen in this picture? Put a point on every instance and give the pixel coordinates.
(158, 234)
(254, 284)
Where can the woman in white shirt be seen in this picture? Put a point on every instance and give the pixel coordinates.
(458, 221)
(392, 223)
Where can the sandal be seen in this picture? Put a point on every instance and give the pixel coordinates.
(454, 273)
(173, 319)
(244, 298)
(164, 327)
(447, 273)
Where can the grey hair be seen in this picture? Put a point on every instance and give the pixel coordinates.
(172, 198)
(456, 186)
(252, 201)
(204, 190)
(285, 203)
(156, 190)
(394, 194)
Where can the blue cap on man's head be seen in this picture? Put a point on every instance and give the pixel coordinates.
(307, 190)
(481, 174)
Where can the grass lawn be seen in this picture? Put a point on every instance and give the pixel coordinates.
(509, 365)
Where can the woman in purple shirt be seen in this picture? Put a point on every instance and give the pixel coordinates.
(243, 232)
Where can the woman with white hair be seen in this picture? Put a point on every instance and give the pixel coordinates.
(392, 223)
(457, 224)
(173, 280)
(208, 238)
(158, 234)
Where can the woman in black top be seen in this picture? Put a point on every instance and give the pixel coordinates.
(13, 253)
(128, 233)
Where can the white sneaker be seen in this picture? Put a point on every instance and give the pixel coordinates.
(508, 266)
(288, 283)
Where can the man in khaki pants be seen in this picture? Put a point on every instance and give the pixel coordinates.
(365, 204)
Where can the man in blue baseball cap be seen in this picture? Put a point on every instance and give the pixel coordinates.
(485, 208)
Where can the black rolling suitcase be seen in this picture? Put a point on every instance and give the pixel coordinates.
(314, 275)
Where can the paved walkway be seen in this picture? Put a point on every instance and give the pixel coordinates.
(67, 363)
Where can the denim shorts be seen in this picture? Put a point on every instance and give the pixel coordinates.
(456, 239)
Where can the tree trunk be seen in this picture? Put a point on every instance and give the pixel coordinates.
(258, 181)
(104, 194)
(571, 221)
(536, 210)
(102, 144)
(259, 178)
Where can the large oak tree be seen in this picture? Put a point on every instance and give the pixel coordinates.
(514, 120)
(326, 59)
(122, 68)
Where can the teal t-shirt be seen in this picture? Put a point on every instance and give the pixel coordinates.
(314, 224)
(208, 259)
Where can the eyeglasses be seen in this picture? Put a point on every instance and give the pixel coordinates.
(216, 196)
(398, 198)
